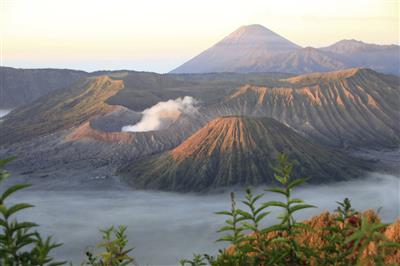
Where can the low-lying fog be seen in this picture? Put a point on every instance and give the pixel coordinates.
(164, 227)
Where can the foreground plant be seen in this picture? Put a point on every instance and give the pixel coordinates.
(249, 243)
(290, 251)
(345, 238)
(337, 251)
(19, 243)
(115, 251)
(369, 237)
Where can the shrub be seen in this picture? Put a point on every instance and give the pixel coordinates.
(19, 243)
(345, 238)
(115, 252)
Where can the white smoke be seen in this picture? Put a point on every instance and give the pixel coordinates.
(163, 114)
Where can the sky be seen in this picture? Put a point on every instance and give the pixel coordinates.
(159, 35)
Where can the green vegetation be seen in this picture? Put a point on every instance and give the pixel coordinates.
(19, 243)
(344, 238)
(115, 251)
(290, 242)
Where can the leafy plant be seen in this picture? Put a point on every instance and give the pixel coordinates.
(198, 260)
(250, 244)
(19, 243)
(235, 235)
(115, 252)
(337, 251)
(341, 240)
(370, 233)
(291, 253)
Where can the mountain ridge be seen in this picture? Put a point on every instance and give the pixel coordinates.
(267, 51)
(342, 108)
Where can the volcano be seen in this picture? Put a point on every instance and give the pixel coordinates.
(243, 48)
(238, 151)
(254, 48)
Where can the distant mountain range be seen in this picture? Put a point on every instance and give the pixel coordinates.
(242, 121)
(343, 108)
(254, 48)
(22, 86)
(237, 151)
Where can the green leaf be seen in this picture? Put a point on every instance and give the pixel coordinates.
(277, 190)
(225, 228)
(3, 223)
(261, 216)
(245, 215)
(391, 244)
(3, 210)
(259, 209)
(276, 227)
(299, 207)
(19, 226)
(230, 222)
(16, 208)
(248, 204)
(249, 227)
(224, 213)
(274, 203)
(256, 198)
(356, 235)
(11, 190)
(297, 182)
(280, 179)
(3, 162)
(292, 201)
(225, 238)
(284, 217)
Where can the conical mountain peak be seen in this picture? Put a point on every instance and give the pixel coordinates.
(237, 150)
(253, 29)
(259, 37)
(241, 50)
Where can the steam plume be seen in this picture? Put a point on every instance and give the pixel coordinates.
(162, 114)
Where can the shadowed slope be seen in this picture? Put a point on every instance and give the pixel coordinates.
(231, 151)
(22, 86)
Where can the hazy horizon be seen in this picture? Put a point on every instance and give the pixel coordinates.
(122, 35)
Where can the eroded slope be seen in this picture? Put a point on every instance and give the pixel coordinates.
(231, 151)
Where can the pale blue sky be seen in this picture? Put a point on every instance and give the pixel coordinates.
(159, 35)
